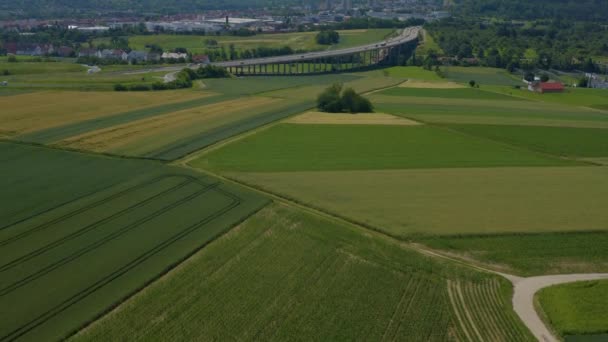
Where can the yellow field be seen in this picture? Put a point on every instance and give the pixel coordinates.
(31, 112)
(170, 125)
(350, 119)
(431, 85)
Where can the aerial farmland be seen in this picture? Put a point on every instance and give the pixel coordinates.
(461, 207)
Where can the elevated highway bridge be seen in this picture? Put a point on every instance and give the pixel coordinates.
(387, 52)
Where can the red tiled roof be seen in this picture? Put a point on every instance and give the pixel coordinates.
(551, 86)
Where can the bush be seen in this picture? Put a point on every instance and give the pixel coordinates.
(355, 103)
(334, 100)
(211, 71)
(140, 87)
(12, 59)
(583, 82)
(329, 100)
(472, 83)
(120, 87)
(5, 72)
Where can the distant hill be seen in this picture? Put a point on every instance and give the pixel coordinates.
(584, 10)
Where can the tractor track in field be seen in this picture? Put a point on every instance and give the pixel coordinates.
(235, 201)
(81, 209)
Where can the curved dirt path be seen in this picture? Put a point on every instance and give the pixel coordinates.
(524, 290)
(523, 298)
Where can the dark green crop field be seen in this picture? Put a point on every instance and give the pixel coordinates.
(464, 93)
(82, 233)
(289, 147)
(563, 141)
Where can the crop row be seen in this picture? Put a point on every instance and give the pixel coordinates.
(482, 313)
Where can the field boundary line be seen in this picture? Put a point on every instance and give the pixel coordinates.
(353, 224)
(81, 151)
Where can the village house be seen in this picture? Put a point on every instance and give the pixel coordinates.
(174, 55)
(89, 53)
(200, 59)
(137, 56)
(65, 51)
(546, 87)
(153, 57)
(115, 54)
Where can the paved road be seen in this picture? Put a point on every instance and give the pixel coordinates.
(523, 298)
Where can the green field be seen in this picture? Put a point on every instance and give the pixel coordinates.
(427, 202)
(26, 68)
(464, 93)
(286, 275)
(594, 98)
(87, 232)
(460, 111)
(343, 147)
(412, 72)
(577, 308)
(481, 75)
(296, 41)
(264, 84)
(563, 141)
(532, 254)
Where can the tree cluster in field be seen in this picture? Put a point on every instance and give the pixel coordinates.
(327, 37)
(545, 44)
(183, 79)
(335, 99)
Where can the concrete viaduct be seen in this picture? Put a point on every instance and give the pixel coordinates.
(388, 52)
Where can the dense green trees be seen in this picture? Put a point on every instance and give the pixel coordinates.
(581, 10)
(557, 44)
(327, 37)
(335, 100)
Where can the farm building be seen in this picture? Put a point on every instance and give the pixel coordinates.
(200, 59)
(546, 87)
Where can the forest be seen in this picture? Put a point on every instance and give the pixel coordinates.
(583, 10)
(543, 43)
